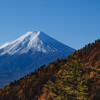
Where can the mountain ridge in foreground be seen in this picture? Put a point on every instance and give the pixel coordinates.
(74, 78)
(27, 53)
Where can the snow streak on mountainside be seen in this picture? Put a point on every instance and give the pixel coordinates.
(27, 53)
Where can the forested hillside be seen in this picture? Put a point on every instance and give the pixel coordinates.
(74, 78)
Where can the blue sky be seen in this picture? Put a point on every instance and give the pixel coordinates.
(72, 22)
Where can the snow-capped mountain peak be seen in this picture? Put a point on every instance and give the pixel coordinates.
(24, 44)
(36, 41)
(31, 34)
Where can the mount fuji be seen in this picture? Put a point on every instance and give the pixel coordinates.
(27, 53)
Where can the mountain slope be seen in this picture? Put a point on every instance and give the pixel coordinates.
(37, 41)
(28, 53)
(32, 86)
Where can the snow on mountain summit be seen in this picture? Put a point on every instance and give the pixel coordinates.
(35, 41)
(24, 44)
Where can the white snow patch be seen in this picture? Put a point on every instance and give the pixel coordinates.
(4, 45)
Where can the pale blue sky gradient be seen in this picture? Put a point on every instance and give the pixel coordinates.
(72, 22)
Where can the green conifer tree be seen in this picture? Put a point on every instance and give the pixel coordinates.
(70, 84)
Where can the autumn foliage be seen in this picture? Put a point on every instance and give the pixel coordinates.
(74, 78)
